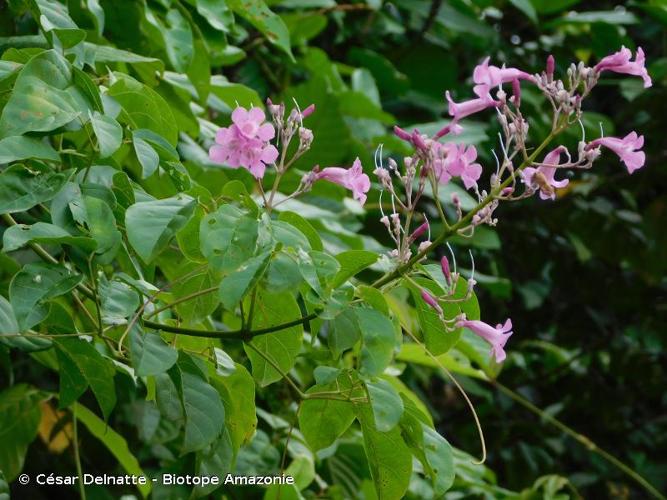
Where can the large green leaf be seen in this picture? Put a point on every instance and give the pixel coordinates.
(150, 225)
(102, 227)
(150, 354)
(114, 442)
(257, 13)
(41, 232)
(322, 421)
(108, 132)
(281, 347)
(378, 336)
(9, 330)
(238, 283)
(198, 307)
(19, 422)
(22, 188)
(82, 366)
(33, 285)
(203, 409)
(343, 332)
(228, 238)
(351, 263)
(237, 390)
(15, 148)
(386, 404)
(389, 458)
(44, 97)
(143, 107)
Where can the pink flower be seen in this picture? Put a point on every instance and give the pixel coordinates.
(466, 108)
(619, 62)
(542, 178)
(245, 143)
(492, 76)
(627, 149)
(352, 178)
(497, 336)
(458, 162)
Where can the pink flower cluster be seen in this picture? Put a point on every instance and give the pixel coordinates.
(245, 143)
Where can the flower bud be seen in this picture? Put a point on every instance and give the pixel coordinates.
(551, 67)
(401, 134)
(308, 111)
(444, 265)
(419, 231)
(431, 301)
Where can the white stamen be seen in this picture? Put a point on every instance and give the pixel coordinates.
(451, 252)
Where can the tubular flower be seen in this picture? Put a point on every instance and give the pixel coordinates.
(497, 336)
(619, 62)
(542, 178)
(462, 109)
(352, 178)
(245, 143)
(492, 76)
(627, 149)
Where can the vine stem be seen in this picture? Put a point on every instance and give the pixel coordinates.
(77, 457)
(232, 334)
(580, 438)
(451, 376)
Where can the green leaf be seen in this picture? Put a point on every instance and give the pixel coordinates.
(44, 97)
(17, 148)
(147, 156)
(41, 232)
(228, 238)
(389, 458)
(151, 355)
(114, 442)
(343, 332)
(257, 13)
(281, 347)
(19, 422)
(143, 107)
(232, 93)
(33, 285)
(386, 404)
(378, 336)
(351, 263)
(9, 330)
(22, 188)
(109, 134)
(203, 410)
(82, 366)
(119, 300)
(430, 448)
(237, 390)
(527, 8)
(150, 225)
(305, 227)
(198, 308)
(102, 227)
(216, 13)
(440, 458)
(165, 151)
(238, 283)
(322, 421)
